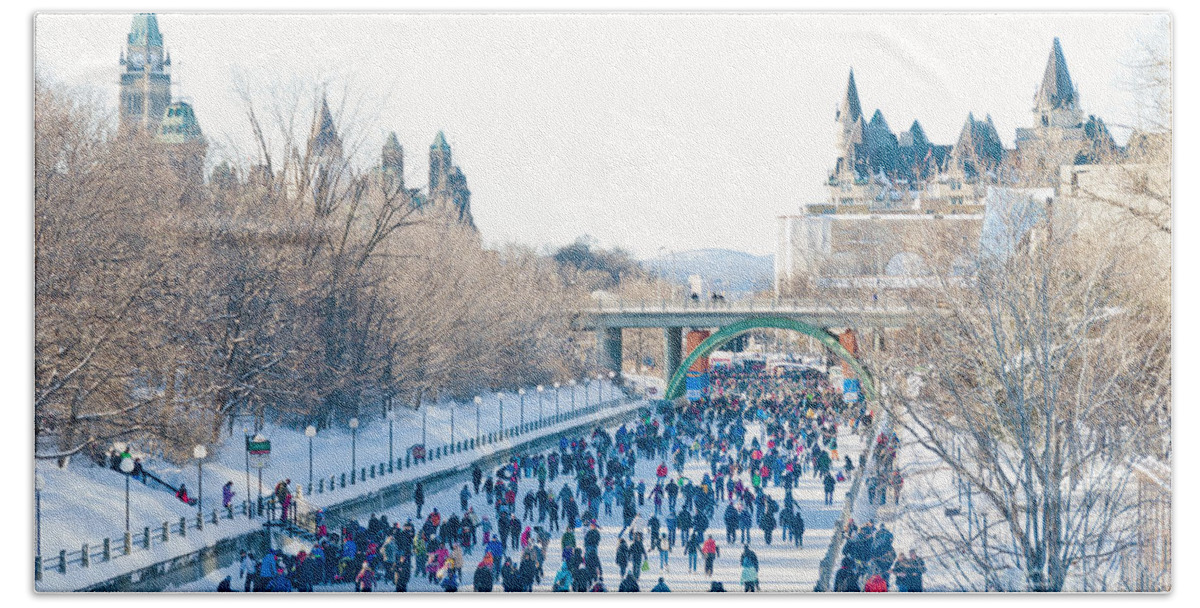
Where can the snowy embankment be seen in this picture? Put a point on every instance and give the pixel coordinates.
(85, 503)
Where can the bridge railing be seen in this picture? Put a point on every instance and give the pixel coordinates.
(880, 302)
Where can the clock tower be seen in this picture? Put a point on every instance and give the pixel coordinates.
(146, 80)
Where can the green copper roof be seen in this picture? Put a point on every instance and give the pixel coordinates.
(179, 124)
(144, 31)
(440, 141)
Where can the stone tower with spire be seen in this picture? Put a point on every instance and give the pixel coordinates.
(146, 81)
(447, 184)
(440, 166)
(1060, 134)
(1057, 102)
(324, 143)
(324, 153)
(390, 174)
(848, 132)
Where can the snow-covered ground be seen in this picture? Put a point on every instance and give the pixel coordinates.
(84, 503)
(783, 567)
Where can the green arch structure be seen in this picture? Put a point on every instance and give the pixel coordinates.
(675, 388)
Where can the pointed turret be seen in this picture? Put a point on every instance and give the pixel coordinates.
(849, 131)
(878, 122)
(916, 135)
(850, 110)
(439, 141)
(1056, 103)
(440, 166)
(1056, 90)
(978, 149)
(144, 31)
(392, 157)
(324, 140)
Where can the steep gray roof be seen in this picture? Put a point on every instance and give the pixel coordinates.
(324, 139)
(851, 109)
(1056, 90)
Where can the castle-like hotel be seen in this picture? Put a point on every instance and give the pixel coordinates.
(884, 188)
(147, 108)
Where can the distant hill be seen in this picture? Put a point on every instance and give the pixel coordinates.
(722, 269)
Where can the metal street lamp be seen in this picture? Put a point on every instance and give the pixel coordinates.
(391, 418)
(249, 511)
(557, 386)
(424, 415)
(572, 394)
(353, 449)
(611, 375)
(478, 402)
(587, 383)
(39, 484)
(500, 396)
(200, 452)
(521, 392)
(127, 469)
(310, 432)
(452, 408)
(540, 389)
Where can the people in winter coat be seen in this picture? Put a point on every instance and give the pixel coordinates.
(246, 570)
(875, 584)
(628, 584)
(731, 523)
(563, 579)
(909, 571)
(622, 556)
(403, 573)
(483, 575)
(767, 523)
(847, 577)
(419, 497)
(711, 551)
(661, 587)
(509, 577)
(226, 584)
(749, 577)
(227, 494)
(279, 582)
(527, 572)
(267, 567)
(365, 581)
(829, 485)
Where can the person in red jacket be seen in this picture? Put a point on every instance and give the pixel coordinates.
(875, 584)
(661, 471)
(710, 551)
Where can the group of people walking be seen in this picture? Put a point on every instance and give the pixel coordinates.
(750, 431)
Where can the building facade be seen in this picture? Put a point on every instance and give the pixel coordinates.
(894, 200)
(147, 108)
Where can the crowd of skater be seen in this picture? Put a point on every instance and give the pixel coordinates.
(509, 520)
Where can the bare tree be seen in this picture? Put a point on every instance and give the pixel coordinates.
(1040, 387)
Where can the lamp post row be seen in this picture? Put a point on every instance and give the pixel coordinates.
(200, 452)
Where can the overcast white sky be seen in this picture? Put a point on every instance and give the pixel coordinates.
(646, 131)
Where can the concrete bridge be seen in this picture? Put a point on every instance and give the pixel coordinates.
(609, 316)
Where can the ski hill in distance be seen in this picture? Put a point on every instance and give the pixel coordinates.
(723, 270)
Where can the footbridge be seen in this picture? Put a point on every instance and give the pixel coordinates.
(822, 321)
